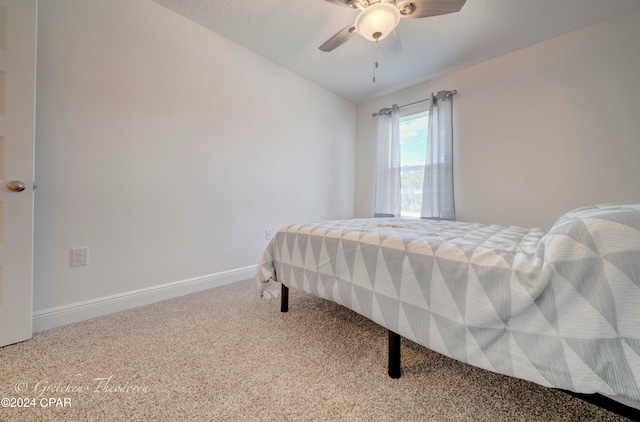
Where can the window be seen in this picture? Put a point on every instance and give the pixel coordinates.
(413, 154)
(416, 145)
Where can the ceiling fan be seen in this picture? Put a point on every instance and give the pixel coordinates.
(378, 20)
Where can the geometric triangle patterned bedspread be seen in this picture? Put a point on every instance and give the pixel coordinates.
(560, 307)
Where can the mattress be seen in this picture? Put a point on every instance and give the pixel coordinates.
(558, 307)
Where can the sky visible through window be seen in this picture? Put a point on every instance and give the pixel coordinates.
(413, 139)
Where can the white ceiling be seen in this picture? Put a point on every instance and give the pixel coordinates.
(289, 32)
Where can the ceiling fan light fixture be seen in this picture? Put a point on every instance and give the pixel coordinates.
(377, 21)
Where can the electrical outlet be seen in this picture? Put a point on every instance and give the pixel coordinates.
(79, 257)
(267, 234)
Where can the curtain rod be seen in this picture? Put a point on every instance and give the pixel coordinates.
(452, 93)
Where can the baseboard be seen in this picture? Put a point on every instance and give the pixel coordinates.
(75, 312)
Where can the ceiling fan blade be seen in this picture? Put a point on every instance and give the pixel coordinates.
(426, 8)
(339, 38)
(340, 2)
(391, 46)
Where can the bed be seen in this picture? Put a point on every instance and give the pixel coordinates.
(558, 307)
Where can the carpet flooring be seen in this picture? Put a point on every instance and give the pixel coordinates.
(225, 354)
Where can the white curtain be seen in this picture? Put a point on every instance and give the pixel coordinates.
(437, 190)
(387, 195)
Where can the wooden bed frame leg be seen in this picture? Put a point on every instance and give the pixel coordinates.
(284, 300)
(394, 354)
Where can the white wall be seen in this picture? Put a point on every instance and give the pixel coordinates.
(168, 150)
(537, 132)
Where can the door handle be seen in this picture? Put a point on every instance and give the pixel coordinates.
(16, 186)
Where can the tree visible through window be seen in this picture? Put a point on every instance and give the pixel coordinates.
(413, 154)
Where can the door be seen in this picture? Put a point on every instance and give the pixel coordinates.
(17, 128)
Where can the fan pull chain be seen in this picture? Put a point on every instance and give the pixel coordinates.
(375, 61)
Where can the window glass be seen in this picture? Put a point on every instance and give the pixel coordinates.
(413, 151)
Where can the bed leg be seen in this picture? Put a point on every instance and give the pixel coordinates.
(284, 300)
(394, 354)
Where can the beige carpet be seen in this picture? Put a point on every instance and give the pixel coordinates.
(224, 354)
